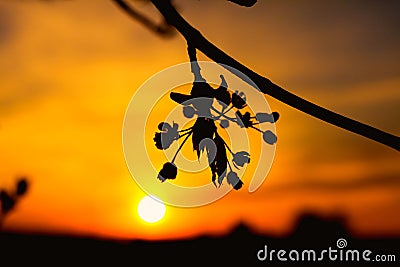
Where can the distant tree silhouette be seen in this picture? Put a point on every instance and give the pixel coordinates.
(172, 19)
(8, 199)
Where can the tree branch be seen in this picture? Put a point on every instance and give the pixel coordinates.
(163, 29)
(196, 70)
(197, 40)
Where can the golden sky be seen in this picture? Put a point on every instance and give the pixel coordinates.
(68, 70)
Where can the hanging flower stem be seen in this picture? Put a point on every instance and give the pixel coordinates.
(223, 111)
(222, 115)
(184, 134)
(229, 118)
(185, 130)
(230, 167)
(226, 111)
(256, 128)
(180, 147)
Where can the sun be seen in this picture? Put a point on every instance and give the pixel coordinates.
(151, 209)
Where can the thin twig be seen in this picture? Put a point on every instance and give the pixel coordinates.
(180, 147)
(229, 109)
(185, 130)
(182, 135)
(163, 29)
(223, 115)
(257, 129)
(230, 167)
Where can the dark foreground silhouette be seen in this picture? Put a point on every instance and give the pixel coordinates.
(239, 248)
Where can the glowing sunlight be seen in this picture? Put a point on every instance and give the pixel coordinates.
(151, 209)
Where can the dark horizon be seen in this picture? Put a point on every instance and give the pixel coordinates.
(239, 246)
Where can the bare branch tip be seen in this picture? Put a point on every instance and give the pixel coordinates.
(245, 3)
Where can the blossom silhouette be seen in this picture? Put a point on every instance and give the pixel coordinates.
(200, 104)
(266, 117)
(168, 135)
(239, 100)
(189, 112)
(224, 124)
(241, 158)
(168, 171)
(244, 121)
(233, 179)
(269, 137)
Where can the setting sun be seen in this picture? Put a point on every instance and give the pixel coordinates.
(151, 209)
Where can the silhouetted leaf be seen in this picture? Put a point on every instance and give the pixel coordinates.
(220, 163)
(221, 93)
(202, 89)
(180, 98)
(202, 128)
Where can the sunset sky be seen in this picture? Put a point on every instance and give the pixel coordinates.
(68, 70)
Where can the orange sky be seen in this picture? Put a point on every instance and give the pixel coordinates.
(68, 70)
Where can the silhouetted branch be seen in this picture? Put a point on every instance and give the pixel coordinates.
(195, 68)
(197, 40)
(163, 29)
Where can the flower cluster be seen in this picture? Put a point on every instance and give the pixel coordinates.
(201, 103)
